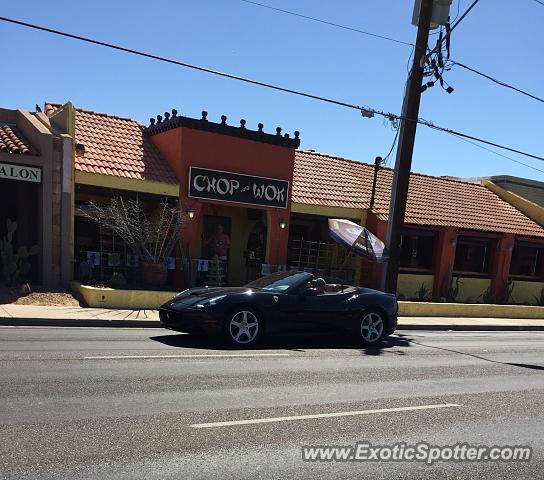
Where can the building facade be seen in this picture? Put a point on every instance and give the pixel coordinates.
(256, 204)
(36, 164)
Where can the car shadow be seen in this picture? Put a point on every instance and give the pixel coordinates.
(480, 357)
(296, 343)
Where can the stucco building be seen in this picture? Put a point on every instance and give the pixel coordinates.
(263, 191)
(36, 165)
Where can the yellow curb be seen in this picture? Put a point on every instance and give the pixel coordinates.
(465, 310)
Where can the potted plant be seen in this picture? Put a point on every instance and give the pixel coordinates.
(152, 236)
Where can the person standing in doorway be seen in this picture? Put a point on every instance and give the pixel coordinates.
(219, 243)
(256, 243)
(255, 251)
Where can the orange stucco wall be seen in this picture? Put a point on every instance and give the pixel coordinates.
(185, 147)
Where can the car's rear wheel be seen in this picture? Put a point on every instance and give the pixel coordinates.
(243, 327)
(372, 326)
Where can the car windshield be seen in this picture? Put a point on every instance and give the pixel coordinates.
(278, 282)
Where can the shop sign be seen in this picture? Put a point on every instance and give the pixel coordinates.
(20, 172)
(216, 185)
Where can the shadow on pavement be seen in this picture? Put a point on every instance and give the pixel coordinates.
(298, 343)
(479, 357)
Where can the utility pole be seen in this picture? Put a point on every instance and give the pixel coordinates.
(407, 136)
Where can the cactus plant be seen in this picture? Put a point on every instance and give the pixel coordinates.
(14, 263)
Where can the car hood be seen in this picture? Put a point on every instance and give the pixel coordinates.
(195, 295)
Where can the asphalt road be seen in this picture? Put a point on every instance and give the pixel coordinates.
(148, 403)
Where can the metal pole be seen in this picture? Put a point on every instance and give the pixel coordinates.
(403, 162)
(377, 164)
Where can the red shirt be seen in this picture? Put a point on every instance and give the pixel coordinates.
(220, 244)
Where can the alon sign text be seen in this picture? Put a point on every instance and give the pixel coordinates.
(20, 172)
(235, 187)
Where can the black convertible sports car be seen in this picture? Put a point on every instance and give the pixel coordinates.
(284, 302)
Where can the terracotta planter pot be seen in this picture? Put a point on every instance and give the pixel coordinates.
(154, 273)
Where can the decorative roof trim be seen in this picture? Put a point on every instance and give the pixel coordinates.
(172, 121)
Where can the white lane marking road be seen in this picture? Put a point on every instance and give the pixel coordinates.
(322, 415)
(204, 355)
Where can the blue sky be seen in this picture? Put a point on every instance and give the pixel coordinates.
(499, 37)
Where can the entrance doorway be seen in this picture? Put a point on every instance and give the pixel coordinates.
(246, 230)
(216, 242)
(19, 203)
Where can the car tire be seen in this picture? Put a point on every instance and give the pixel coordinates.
(372, 326)
(243, 327)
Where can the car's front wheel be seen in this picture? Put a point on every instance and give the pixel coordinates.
(372, 327)
(243, 327)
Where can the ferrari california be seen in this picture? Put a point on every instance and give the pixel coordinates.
(282, 303)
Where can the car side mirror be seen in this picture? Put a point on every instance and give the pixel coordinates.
(310, 292)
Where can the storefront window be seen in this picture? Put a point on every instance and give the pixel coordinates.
(417, 250)
(472, 255)
(526, 259)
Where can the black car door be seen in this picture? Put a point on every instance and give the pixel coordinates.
(321, 313)
(284, 316)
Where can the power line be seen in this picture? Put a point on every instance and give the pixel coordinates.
(386, 158)
(498, 82)
(181, 64)
(326, 22)
(366, 111)
(499, 154)
(455, 23)
(481, 140)
(541, 3)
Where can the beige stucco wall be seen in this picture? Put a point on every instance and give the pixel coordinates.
(527, 292)
(472, 289)
(408, 285)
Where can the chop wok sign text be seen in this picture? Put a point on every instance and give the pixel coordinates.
(235, 187)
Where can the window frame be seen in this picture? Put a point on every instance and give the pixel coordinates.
(415, 232)
(539, 266)
(487, 243)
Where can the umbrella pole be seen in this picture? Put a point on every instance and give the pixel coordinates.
(344, 266)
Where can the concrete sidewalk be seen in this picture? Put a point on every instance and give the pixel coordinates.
(99, 317)
(76, 316)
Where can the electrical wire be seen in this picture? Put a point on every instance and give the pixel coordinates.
(326, 22)
(541, 3)
(451, 21)
(481, 140)
(456, 24)
(473, 70)
(498, 82)
(500, 154)
(366, 111)
(386, 158)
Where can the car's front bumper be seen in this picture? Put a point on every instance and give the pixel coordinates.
(191, 321)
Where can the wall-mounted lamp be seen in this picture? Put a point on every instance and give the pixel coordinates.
(191, 213)
(282, 223)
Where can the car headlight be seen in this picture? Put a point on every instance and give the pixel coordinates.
(210, 302)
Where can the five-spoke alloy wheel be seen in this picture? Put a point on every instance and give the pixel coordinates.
(372, 326)
(243, 327)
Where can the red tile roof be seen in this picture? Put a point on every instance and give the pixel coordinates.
(321, 179)
(116, 146)
(12, 141)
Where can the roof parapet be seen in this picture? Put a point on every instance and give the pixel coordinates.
(171, 120)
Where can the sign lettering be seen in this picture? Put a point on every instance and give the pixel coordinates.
(20, 172)
(216, 185)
